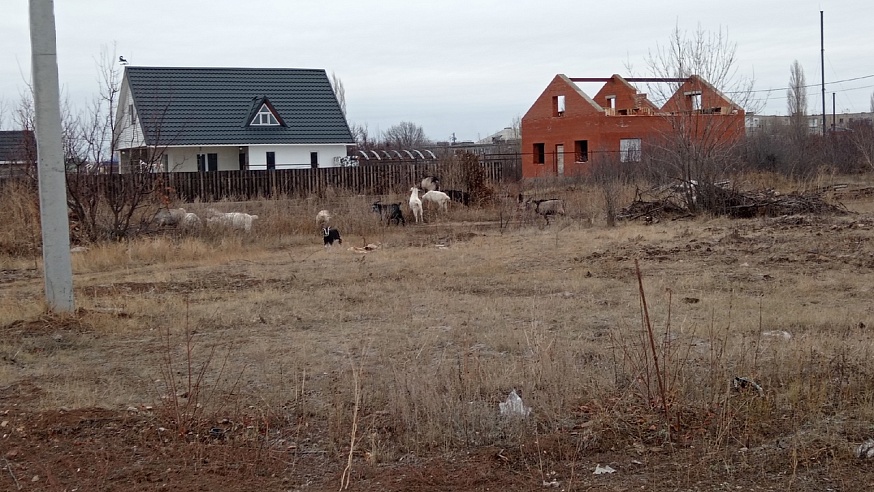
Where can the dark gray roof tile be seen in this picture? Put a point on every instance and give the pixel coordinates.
(212, 106)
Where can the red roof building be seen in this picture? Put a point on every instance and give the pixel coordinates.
(565, 130)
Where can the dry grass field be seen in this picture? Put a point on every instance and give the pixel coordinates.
(222, 361)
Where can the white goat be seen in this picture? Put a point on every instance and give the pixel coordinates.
(169, 216)
(233, 220)
(190, 221)
(322, 218)
(438, 197)
(416, 204)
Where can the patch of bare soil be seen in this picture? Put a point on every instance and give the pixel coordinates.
(99, 449)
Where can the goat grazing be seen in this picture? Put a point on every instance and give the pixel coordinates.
(416, 204)
(322, 218)
(232, 220)
(547, 208)
(389, 212)
(430, 183)
(438, 197)
(330, 235)
(459, 196)
(169, 216)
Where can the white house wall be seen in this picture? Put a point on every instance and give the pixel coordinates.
(184, 159)
(294, 156)
(129, 135)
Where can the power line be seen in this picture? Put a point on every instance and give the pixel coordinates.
(805, 86)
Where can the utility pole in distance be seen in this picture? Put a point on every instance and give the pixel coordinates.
(57, 269)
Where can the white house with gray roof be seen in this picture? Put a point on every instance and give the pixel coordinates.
(224, 119)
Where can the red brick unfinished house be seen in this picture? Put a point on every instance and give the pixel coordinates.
(566, 130)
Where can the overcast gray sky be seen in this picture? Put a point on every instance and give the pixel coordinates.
(463, 67)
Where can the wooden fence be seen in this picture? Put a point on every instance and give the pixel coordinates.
(377, 179)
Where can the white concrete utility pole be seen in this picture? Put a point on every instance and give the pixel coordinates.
(57, 269)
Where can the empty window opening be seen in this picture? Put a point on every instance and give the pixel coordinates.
(271, 161)
(629, 150)
(558, 106)
(581, 151)
(539, 153)
(694, 100)
(611, 101)
(314, 160)
(264, 117)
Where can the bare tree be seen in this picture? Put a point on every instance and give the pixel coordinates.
(405, 135)
(361, 133)
(796, 96)
(695, 148)
(339, 91)
(4, 110)
(92, 140)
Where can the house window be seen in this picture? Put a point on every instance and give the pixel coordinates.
(264, 117)
(130, 111)
(539, 153)
(314, 159)
(629, 150)
(207, 162)
(611, 100)
(271, 161)
(558, 106)
(581, 151)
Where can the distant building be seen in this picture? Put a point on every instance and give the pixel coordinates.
(17, 151)
(507, 135)
(838, 122)
(218, 119)
(565, 128)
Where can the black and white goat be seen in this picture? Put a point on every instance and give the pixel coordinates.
(330, 235)
(430, 183)
(389, 212)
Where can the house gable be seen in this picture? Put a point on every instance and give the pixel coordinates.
(622, 97)
(576, 102)
(696, 94)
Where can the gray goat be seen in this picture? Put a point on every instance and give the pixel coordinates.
(545, 207)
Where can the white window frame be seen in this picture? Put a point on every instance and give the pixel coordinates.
(264, 117)
(629, 150)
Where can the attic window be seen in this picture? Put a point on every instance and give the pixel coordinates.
(264, 117)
